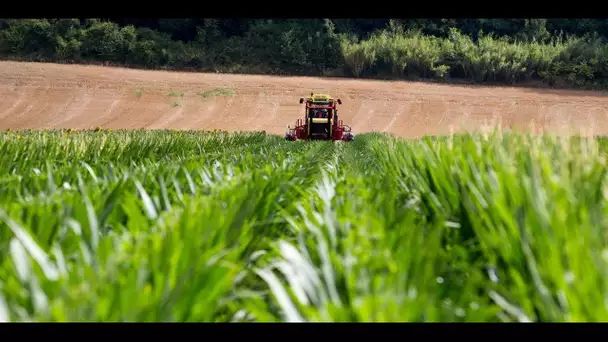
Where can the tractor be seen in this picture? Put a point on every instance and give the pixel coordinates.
(320, 121)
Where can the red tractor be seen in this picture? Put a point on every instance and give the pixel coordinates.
(320, 121)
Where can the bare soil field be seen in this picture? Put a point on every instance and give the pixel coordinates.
(40, 95)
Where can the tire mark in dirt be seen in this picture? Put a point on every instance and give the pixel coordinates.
(226, 107)
(410, 121)
(494, 122)
(170, 116)
(20, 98)
(44, 98)
(207, 114)
(114, 111)
(373, 116)
(107, 114)
(121, 110)
(269, 116)
(74, 111)
(464, 118)
(22, 118)
(258, 108)
(210, 114)
(365, 109)
(14, 122)
(401, 109)
(63, 107)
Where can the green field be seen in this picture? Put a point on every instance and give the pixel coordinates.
(192, 226)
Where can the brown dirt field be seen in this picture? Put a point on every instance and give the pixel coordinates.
(37, 95)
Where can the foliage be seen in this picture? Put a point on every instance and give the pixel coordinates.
(554, 51)
(190, 226)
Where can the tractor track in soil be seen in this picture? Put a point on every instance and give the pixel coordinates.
(44, 95)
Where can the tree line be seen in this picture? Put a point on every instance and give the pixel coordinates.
(566, 52)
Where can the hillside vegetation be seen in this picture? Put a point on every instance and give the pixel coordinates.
(192, 226)
(557, 52)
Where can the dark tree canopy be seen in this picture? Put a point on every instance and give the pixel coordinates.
(568, 51)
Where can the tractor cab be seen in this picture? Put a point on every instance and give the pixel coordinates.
(322, 113)
(320, 116)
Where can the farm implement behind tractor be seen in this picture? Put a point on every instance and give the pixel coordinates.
(320, 121)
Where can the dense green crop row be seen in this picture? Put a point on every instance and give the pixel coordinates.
(187, 226)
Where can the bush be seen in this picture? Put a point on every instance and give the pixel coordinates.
(312, 47)
(580, 61)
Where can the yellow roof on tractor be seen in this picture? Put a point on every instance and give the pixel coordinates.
(321, 98)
